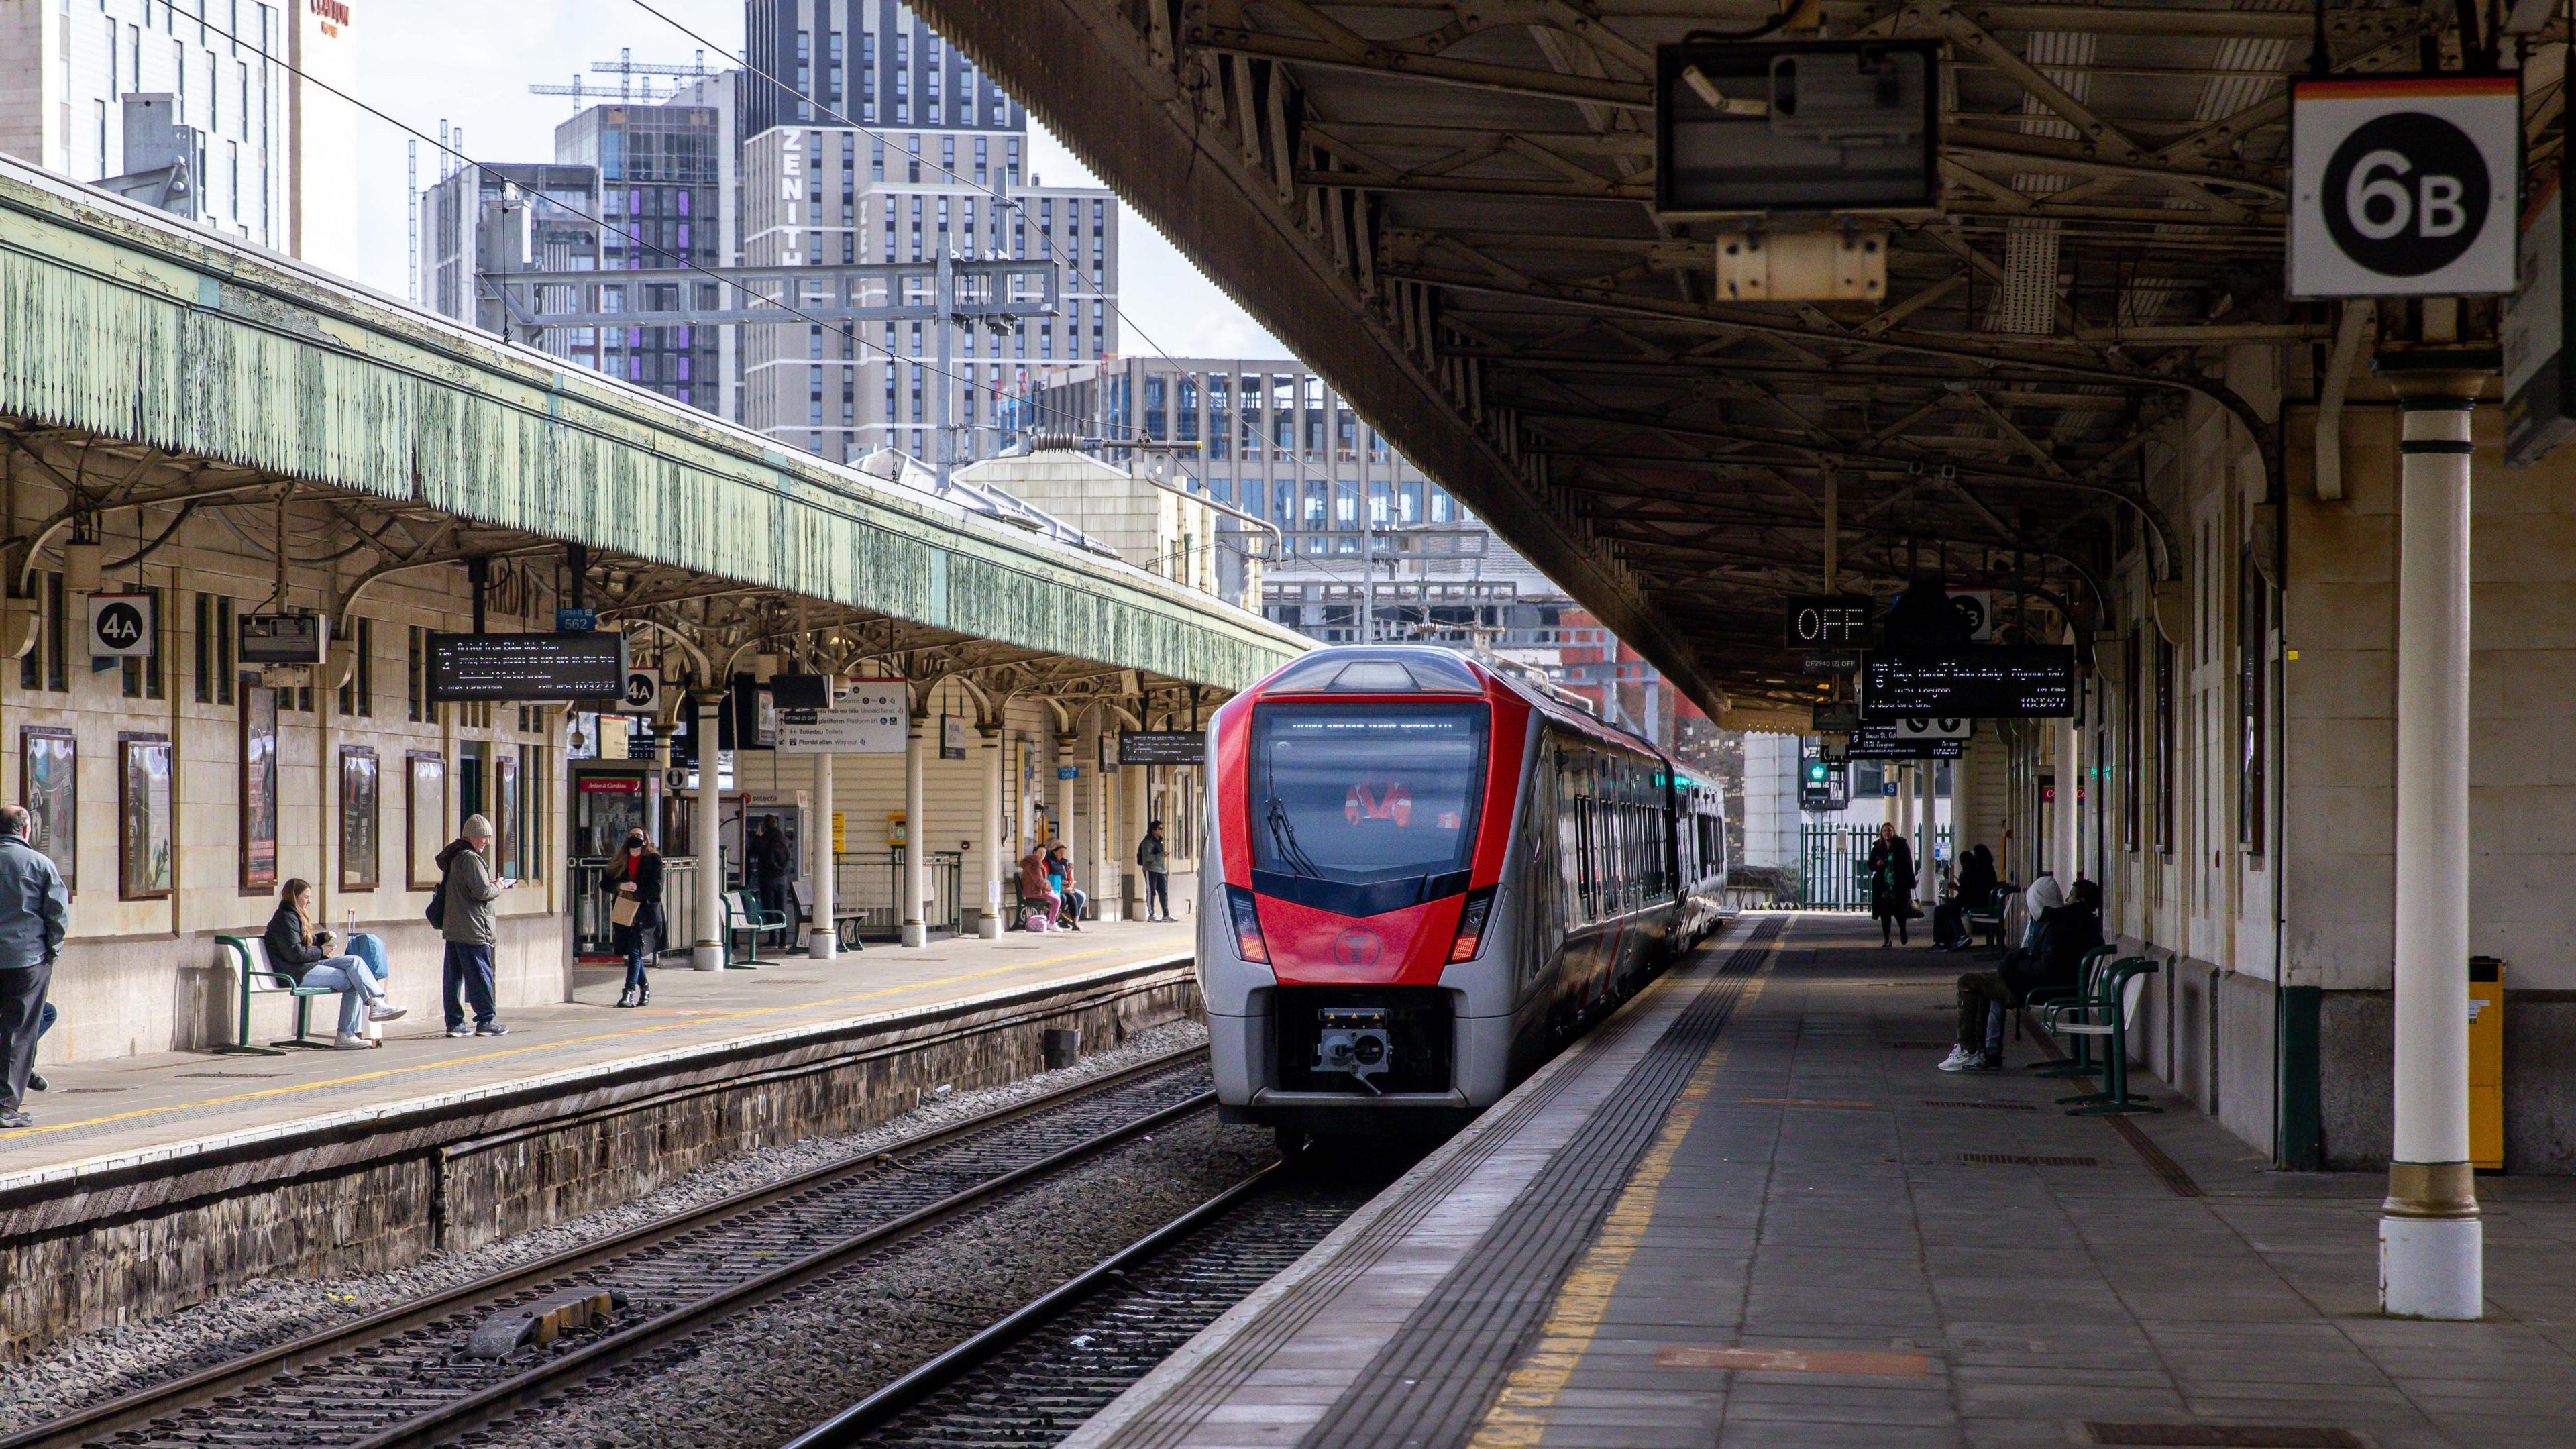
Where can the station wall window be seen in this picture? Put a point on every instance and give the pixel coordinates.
(214, 649)
(140, 678)
(358, 694)
(2253, 681)
(2131, 713)
(416, 676)
(2164, 745)
(57, 640)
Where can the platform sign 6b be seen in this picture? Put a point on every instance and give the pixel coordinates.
(2404, 186)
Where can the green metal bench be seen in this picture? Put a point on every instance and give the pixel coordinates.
(745, 915)
(1988, 919)
(2040, 1005)
(2104, 1014)
(250, 961)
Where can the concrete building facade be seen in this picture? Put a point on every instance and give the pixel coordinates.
(65, 74)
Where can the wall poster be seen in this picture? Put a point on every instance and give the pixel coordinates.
(361, 841)
(258, 787)
(424, 816)
(147, 851)
(48, 766)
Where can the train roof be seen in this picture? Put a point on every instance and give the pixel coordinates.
(1385, 669)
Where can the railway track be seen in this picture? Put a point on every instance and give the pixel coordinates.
(1033, 1376)
(426, 1372)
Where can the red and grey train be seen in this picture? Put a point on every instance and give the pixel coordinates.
(1427, 877)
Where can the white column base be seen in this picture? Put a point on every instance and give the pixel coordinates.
(823, 946)
(704, 956)
(2432, 1267)
(915, 934)
(989, 928)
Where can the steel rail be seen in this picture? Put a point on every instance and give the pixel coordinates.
(877, 1409)
(161, 1401)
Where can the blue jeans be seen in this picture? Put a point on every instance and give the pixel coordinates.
(357, 987)
(468, 982)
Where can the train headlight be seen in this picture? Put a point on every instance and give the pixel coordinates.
(1247, 925)
(1471, 925)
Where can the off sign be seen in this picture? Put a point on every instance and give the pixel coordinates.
(2404, 186)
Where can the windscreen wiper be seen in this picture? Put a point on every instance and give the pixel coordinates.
(1283, 838)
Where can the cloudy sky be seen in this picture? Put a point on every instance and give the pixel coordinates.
(470, 63)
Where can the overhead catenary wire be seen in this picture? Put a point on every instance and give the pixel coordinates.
(841, 119)
(790, 312)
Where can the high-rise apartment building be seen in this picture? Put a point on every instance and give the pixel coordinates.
(662, 204)
(873, 140)
(273, 156)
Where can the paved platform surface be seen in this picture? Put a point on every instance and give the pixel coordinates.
(164, 1103)
(1823, 1241)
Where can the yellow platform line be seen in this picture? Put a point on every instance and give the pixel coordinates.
(1521, 1412)
(546, 1046)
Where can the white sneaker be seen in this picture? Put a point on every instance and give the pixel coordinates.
(350, 1041)
(1960, 1059)
(382, 1012)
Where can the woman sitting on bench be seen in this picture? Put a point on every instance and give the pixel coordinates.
(298, 951)
(2063, 928)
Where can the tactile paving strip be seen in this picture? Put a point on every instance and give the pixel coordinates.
(1430, 1384)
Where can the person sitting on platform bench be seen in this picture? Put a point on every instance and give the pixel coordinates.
(1060, 880)
(2063, 927)
(1038, 902)
(1949, 918)
(34, 909)
(1976, 887)
(298, 951)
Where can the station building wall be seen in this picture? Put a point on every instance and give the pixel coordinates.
(145, 973)
(2259, 843)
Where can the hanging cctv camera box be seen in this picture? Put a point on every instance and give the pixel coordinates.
(283, 638)
(1824, 127)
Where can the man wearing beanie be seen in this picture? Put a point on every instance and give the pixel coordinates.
(467, 890)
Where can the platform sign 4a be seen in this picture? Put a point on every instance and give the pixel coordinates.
(2404, 186)
(120, 625)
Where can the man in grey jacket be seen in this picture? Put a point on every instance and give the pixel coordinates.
(467, 890)
(34, 907)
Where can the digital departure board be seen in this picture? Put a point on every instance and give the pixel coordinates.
(1162, 747)
(527, 667)
(1989, 681)
(1885, 742)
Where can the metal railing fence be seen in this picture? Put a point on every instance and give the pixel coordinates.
(868, 885)
(1835, 865)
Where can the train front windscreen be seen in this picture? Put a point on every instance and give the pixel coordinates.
(1361, 808)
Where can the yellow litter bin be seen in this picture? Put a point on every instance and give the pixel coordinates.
(2486, 1063)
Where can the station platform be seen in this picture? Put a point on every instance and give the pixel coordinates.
(154, 1181)
(1749, 1211)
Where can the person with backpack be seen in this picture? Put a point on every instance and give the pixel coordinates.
(462, 911)
(1155, 860)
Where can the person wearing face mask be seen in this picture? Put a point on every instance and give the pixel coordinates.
(635, 911)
